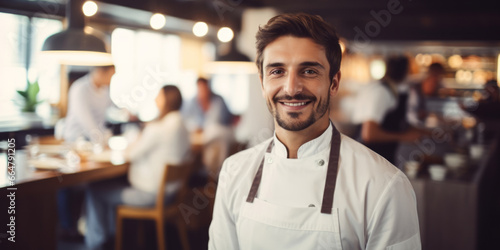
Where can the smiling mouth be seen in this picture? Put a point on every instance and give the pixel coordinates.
(294, 104)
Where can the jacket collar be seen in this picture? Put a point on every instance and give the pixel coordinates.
(307, 149)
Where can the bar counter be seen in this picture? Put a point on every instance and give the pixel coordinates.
(460, 211)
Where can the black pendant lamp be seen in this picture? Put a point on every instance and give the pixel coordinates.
(74, 46)
(233, 62)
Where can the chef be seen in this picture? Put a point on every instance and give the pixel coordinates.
(309, 186)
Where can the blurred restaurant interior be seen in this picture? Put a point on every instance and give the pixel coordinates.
(454, 170)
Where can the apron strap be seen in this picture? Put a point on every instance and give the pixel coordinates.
(331, 174)
(258, 176)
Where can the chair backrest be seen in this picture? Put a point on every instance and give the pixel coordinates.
(173, 173)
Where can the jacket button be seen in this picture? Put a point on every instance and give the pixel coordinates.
(269, 160)
(321, 162)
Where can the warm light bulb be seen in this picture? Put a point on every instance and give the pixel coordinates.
(200, 29)
(225, 34)
(377, 69)
(157, 21)
(89, 8)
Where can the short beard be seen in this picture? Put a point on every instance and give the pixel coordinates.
(298, 125)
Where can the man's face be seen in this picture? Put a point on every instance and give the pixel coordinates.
(296, 82)
(203, 91)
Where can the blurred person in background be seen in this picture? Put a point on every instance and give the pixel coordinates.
(420, 91)
(88, 101)
(163, 141)
(209, 120)
(380, 111)
(487, 107)
(206, 109)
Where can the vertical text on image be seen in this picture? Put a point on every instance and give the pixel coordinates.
(11, 196)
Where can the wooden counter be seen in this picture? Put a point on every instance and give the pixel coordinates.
(35, 201)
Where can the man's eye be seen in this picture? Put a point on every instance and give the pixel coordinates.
(309, 72)
(276, 72)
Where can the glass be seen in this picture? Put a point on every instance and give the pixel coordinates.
(33, 145)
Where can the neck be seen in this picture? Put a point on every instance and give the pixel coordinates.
(294, 139)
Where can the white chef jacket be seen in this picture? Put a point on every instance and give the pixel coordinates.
(374, 201)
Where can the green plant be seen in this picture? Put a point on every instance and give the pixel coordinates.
(29, 96)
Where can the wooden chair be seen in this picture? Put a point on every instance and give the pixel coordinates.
(160, 212)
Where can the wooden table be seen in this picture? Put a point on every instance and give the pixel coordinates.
(34, 200)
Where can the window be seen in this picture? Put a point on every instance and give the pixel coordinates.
(145, 61)
(20, 45)
(234, 89)
(12, 60)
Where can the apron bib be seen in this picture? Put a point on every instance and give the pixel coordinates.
(262, 225)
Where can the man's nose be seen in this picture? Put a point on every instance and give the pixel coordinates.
(293, 84)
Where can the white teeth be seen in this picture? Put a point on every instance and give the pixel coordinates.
(294, 103)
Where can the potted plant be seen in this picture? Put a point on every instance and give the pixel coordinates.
(29, 97)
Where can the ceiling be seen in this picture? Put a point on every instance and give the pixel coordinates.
(417, 20)
(413, 20)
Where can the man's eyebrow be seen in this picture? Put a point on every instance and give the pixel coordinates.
(276, 64)
(312, 64)
(307, 64)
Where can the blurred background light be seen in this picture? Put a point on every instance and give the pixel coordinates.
(455, 61)
(200, 29)
(157, 21)
(89, 8)
(377, 69)
(225, 34)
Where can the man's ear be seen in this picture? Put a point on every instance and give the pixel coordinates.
(334, 86)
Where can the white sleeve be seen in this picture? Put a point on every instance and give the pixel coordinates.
(222, 233)
(372, 104)
(394, 222)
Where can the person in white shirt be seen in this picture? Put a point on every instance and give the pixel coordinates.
(380, 111)
(164, 141)
(88, 101)
(309, 186)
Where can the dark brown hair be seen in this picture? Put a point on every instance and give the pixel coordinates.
(436, 69)
(397, 68)
(303, 26)
(173, 99)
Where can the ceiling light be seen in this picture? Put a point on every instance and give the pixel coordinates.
(200, 29)
(225, 34)
(233, 62)
(89, 8)
(74, 46)
(157, 21)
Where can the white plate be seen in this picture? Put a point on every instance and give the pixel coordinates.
(47, 163)
(107, 156)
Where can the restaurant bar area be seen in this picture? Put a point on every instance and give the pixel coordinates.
(249, 124)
